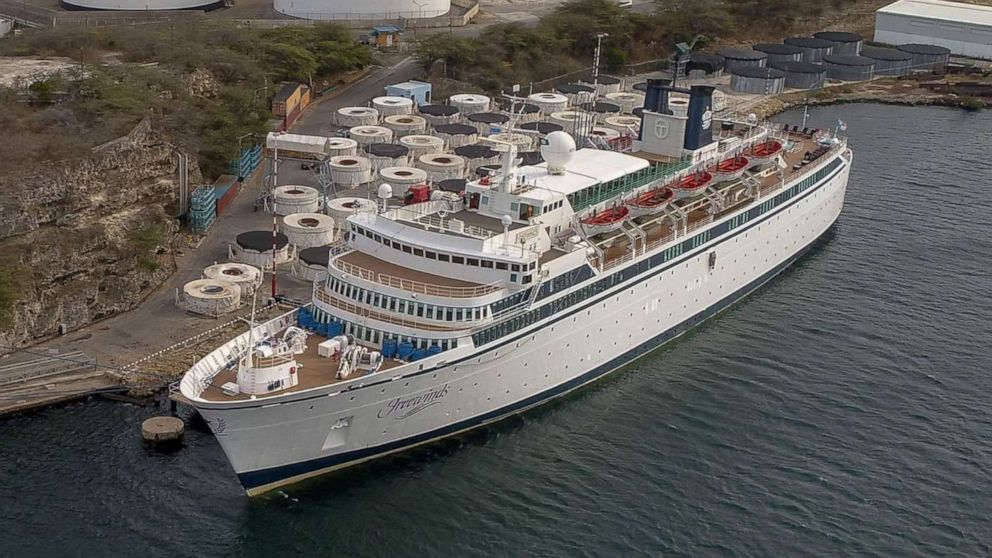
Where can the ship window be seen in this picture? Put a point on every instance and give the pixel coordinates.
(418, 252)
(392, 304)
(377, 238)
(458, 315)
(514, 267)
(532, 265)
(457, 259)
(501, 265)
(528, 279)
(407, 249)
(487, 263)
(472, 261)
(420, 310)
(430, 312)
(431, 255)
(513, 277)
(442, 257)
(387, 243)
(514, 206)
(448, 315)
(485, 200)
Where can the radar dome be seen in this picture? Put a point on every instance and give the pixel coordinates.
(557, 149)
(385, 191)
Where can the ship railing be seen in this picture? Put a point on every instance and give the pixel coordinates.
(413, 286)
(321, 294)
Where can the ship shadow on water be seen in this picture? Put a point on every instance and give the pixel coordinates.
(414, 461)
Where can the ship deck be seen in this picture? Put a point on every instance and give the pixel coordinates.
(312, 371)
(658, 229)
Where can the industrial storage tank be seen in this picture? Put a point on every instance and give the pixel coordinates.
(366, 10)
(401, 178)
(486, 122)
(341, 146)
(627, 100)
(437, 115)
(576, 123)
(390, 105)
(803, 75)
(539, 129)
(603, 107)
(306, 230)
(549, 102)
(141, 5)
(477, 155)
(524, 112)
(849, 68)
(603, 84)
(255, 248)
(601, 133)
(678, 103)
(367, 135)
(440, 166)
(342, 208)
(623, 124)
(778, 52)
(246, 277)
(348, 171)
(888, 61)
(736, 58)
(384, 155)
(209, 297)
(577, 93)
(349, 117)
(405, 124)
(758, 81)
(522, 141)
(844, 42)
(310, 262)
(422, 145)
(927, 57)
(467, 103)
(457, 135)
(813, 49)
(701, 64)
(291, 199)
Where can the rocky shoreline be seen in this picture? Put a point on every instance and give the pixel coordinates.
(906, 92)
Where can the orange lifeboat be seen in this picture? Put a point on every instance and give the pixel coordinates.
(607, 220)
(731, 169)
(651, 202)
(694, 184)
(765, 152)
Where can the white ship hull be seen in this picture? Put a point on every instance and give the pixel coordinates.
(270, 444)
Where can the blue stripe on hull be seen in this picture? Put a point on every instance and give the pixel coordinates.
(263, 477)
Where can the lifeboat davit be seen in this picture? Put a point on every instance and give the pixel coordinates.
(651, 202)
(693, 184)
(765, 152)
(731, 169)
(607, 220)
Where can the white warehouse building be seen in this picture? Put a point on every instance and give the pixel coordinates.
(965, 29)
(367, 9)
(141, 5)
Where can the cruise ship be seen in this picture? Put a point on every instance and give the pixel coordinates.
(453, 312)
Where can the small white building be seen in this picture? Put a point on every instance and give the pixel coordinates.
(965, 29)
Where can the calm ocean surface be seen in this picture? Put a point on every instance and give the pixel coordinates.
(842, 410)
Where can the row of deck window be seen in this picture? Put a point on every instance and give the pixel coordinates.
(441, 256)
(573, 298)
(374, 336)
(404, 306)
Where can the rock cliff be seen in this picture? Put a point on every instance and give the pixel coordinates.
(82, 240)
